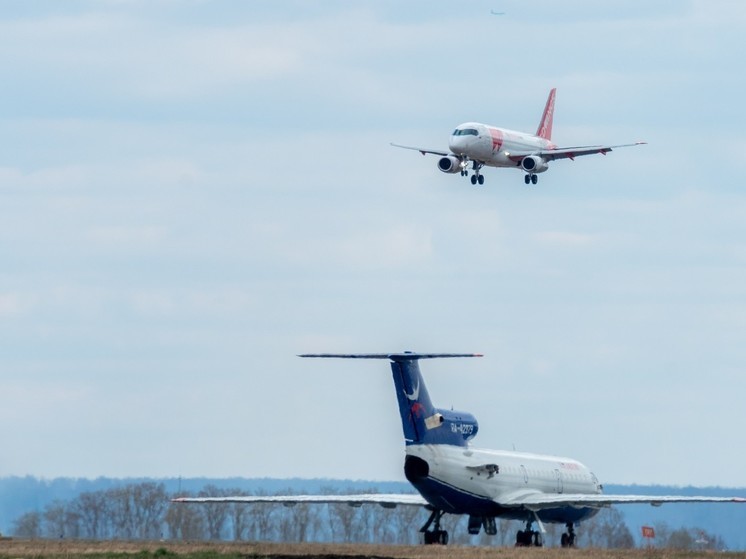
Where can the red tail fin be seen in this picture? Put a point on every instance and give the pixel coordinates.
(545, 126)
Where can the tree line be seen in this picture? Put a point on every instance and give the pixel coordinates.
(144, 511)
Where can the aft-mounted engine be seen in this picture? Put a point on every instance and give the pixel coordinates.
(449, 164)
(534, 164)
(458, 425)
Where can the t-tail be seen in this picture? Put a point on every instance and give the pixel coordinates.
(545, 126)
(422, 422)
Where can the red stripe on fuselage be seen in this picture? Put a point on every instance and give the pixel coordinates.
(497, 139)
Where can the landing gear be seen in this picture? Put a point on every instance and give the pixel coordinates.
(568, 538)
(436, 535)
(528, 537)
(477, 522)
(530, 179)
(477, 177)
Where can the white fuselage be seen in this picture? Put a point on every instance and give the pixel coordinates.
(463, 470)
(493, 146)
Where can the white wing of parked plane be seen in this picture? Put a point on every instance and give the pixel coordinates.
(529, 500)
(385, 500)
(567, 153)
(538, 501)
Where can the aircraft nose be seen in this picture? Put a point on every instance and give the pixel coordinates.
(456, 144)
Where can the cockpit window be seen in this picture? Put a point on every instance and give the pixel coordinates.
(465, 132)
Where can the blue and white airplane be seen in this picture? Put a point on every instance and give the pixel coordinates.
(453, 477)
(483, 145)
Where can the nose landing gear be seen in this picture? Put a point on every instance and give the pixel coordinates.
(530, 178)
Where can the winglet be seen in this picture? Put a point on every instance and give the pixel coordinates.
(545, 126)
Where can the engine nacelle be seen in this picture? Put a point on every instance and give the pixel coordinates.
(449, 164)
(458, 425)
(534, 164)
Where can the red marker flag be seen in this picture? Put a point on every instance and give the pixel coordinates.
(648, 532)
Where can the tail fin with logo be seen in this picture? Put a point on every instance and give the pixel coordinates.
(545, 126)
(422, 422)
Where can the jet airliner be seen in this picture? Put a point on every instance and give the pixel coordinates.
(453, 477)
(485, 145)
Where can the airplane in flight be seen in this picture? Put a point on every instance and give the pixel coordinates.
(453, 477)
(484, 145)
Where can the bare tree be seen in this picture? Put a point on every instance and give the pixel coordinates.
(149, 502)
(120, 513)
(406, 522)
(92, 508)
(680, 539)
(28, 525)
(608, 530)
(343, 517)
(184, 522)
(238, 513)
(262, 525)
(54, 520)
(215, 514)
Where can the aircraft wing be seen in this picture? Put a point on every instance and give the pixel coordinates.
(387, 501)
(424, 151)
(537, 501)
(569, 152)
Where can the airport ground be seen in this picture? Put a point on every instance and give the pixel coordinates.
(81, 549)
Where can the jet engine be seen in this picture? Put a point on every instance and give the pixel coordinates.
(534, 164)
(460, 425)
(449, 164)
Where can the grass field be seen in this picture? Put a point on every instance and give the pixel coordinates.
(54, 549)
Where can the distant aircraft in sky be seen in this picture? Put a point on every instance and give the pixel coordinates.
(494, 13)
(452, 477)
(482, 144)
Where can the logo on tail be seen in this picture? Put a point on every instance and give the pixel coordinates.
(545, 126)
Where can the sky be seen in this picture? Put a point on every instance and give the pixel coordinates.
(193, 193)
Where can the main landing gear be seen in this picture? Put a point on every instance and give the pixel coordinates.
(568, 538)
(436, 535)
(530, 178)
(528, 537)
(477, 177)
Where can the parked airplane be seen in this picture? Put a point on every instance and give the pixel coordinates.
(482, 144)
(452, 477)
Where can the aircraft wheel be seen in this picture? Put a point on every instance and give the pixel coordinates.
(527, 179)
(534, 179)
(480, 179)
(443, 537)
(473, 179)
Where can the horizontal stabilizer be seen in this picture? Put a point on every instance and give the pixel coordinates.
(406, 356)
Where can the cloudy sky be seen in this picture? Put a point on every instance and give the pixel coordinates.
(193, 192)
